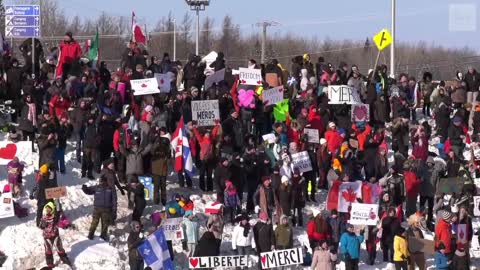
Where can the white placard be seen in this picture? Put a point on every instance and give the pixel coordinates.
(214, 78)
(217, 261)
(278, 258)
(164, 81)
(172, 228)
(364, 214)
(22, 150)
(145, 87)
(342, 94)
(6, 205)
(250, 76)
(273, 96)
(476, 204)
(360, 112)
(462, 233)
(301, 160)
(270, 138)
(312, 135)
(205, 112)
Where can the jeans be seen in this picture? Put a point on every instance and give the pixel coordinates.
(401, 265)
(427, 200)
(351, 264)
(245, 251)
(88, 160)
(60, 158)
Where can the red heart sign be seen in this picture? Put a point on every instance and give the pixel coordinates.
(9, 151)
(161, 81)
(243, 81)
(280, 90)
(264, 258)
(143, 85)
(193, 262)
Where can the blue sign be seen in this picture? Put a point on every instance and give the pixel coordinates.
(31, 10)
(19, 31)
(22, 20)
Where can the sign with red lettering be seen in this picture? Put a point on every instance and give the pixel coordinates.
(217, 261)
(278, 258)
(250, 76)
(205, 112)
(172, 228)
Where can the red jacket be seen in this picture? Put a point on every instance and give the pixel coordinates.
(334, 140)
(292, 134)
(361, 135)
(68, 53)
(443, 233)
(420, 148)
(313, 235)
(58, 108)
(116, 138)
(315, 121)
(412, 184)
(206, 143)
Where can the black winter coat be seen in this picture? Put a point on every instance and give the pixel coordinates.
(285, 199)
(133, 241)
(454, 133)
(47, 149)
(23, 123)
(263, 236)
(91, 137)
(207, 246)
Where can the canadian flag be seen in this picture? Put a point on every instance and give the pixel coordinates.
(137, 33)
(343, 194)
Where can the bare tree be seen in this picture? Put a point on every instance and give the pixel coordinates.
(185, 35)
(206, 36)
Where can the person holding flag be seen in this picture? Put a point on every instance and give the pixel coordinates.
(183, 157)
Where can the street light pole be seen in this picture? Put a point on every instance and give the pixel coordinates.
(264, 26)
(197, 5)
(197, 36)
(392, 47)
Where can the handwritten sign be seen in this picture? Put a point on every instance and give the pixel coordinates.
(217, 261)
(342, 94)
(55, 193)
(269, 138)
(273, 95)
(145, 87)
(9, 150)
(279, 258)
(164, 81)
(215, 78)
(364, 214)
(147, 183)
(476, 204)
(301, 160)
(172, 227)
(250, 76)
(360, 112)
(6, 205)
(312, 135)
(205, 112)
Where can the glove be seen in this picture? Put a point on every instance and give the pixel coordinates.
(84, 186)
(141, 235)
(362, 231)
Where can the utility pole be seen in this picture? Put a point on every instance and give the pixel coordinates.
(174, 40)
(264, 26)
(392, 46)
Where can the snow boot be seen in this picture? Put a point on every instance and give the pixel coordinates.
(90, 235)
(65, 259)
(105, 238)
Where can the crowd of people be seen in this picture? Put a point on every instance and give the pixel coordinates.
(119, 136)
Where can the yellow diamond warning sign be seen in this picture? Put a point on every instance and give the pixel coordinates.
(382, 39)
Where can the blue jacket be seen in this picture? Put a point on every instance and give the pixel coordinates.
(350, 243)
(191, 230)
(441, 261)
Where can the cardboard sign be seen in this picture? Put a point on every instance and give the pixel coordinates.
(9, 150)
(360, 112)
(145, 87)
(342, 94)
(6, 205)
(250, 76)
(164, 81)
(270, 138)
(205, 112)
(449, 185)
(273, 95)
(382, 39)
(426, 246)
(364, 214)
(302, 161)
(312, 135)
(55, 193)
(217, 261)
(147, 183)
(278, 258)
(172, 227)
(476, 204)
(214, 78)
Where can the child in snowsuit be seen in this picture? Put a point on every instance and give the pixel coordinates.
(14, 170)
(49, 225)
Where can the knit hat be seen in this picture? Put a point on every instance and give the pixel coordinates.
(263, 216)
(44, 169)
(148, 108)
(188, 213)
(284, 179)
(108, 162)
(349, 226)
(6, 188)
(447, 216)
(331, 124)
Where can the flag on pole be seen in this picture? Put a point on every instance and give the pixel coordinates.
(181, 146)
(154, 251)
(93, 49)
(137, 33)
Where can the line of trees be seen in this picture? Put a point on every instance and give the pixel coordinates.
(238, 46)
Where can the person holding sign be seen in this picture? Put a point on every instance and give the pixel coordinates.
(350, 247)
(207, 156)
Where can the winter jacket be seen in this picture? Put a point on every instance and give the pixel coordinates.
(206, 144)
(215, 224)
(361, 135)
(69, 51)
(335, 227)
(14, 171)
(460, 261)
(443, 233)
(91, 138)
(207, 246)
(138, 192)
(78, 117)
(233, 128)
(334, 140)
(284, 194)
(134, 157)
(103, 197)
(441, 261)
(454, 134)
(240, 240)
(49, 226)
(430, 177)
(47, 149)
(160, 153)
(396, 187)
(264, 236)
(121, 136)
(420, 147)
(43, 182)
(133, 241)
(313, 234)
(412, 184)
(414, 233)
(322, 260)
(400, 250)
(350, 244)
(58, 108)
(23, 123)
(472, 81)
(284, 236)
(190, 228)
(390, 225)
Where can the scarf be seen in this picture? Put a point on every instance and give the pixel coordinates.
(246, 229)
(32, 113)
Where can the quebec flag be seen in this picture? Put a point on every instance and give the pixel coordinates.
(154, 251)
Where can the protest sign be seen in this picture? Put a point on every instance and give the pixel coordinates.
(364, 214)
(273, 95)
(312, 135)
(6, 205)
(205, 112)
(462, 233)
(172, 228)
(250, 76)
(9, 150)
(476, 204)
(217, 261)
(55, 193)
(280, 110)
(270, 138)
(145, 87)
(279, 258)
(426, 246)
(301, 160)
(214, 78)
(147, 183)
(449, 185)
(164, 81)
(342, 94)
(360, 112)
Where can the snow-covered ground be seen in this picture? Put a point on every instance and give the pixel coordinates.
(22, 241)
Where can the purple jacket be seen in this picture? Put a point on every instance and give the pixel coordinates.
(14, 170)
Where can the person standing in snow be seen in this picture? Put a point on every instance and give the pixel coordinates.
(138, 191)
(45, 178)
(51, 236)
(242, 236)
(135, 238)
(263, 235)
(350, 247)
(190, 227)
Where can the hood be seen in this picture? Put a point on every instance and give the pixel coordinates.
(430, 160)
